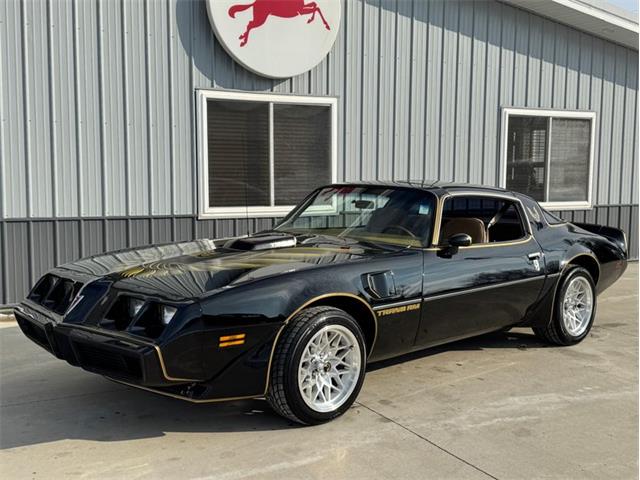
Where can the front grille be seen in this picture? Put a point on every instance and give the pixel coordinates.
(55, 293)
(108, 362)
(33, 332)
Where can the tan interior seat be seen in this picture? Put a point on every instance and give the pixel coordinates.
(474, 227)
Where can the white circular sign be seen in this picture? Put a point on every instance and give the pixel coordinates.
(276, 38)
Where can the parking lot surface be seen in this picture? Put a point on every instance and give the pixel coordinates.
(497, 406)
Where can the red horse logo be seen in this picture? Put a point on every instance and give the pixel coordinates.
(279, 8)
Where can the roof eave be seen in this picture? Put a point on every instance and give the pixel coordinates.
(590, 16)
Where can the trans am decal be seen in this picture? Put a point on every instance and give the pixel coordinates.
(396, 310)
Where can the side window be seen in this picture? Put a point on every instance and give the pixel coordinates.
(485, 219)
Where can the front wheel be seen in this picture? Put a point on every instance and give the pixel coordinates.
(574, 310)
(318, 366)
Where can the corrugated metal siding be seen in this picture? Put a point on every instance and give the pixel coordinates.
(97, 112)
(98, 97)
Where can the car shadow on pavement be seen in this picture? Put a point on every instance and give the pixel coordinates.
(58, 402)
(507, 340)
(99, 410)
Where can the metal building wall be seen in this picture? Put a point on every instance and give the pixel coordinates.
(97, 139)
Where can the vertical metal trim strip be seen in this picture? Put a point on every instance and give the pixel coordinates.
(410, 126)
(503, 130)
(195, 153)
(25, 106)
(454, 146)
(76, 98)
(101, 115)
(394, 103)
(52, 114)
(547, 161)
(4, 271)
(613, 124)
(634, 153)
(56, 242)
(172, 160)
(30, 249)
(147, 85)
(272, 185)
(472, 56)
(125, 101)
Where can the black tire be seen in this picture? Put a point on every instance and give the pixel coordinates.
(555, 332)
(283, 394)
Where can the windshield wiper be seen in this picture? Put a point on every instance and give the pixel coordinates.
(380, 245)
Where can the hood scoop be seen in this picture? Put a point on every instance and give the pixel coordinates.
(265, 241)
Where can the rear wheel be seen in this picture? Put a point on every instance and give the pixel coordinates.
(574, 309)
(318, 366)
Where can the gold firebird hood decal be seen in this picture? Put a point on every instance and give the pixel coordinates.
(220, 261)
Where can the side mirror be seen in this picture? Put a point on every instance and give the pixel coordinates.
(459, 240)
(454, 242)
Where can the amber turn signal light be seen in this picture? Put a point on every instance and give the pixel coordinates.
(231, 340)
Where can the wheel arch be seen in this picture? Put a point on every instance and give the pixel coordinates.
(544, 311)
(355, 306)
(587, 261)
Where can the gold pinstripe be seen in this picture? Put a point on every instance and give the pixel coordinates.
(182, 397)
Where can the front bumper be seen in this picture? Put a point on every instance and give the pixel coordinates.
(106, 353)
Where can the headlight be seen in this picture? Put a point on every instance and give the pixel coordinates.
(167, 314)
(134, 306)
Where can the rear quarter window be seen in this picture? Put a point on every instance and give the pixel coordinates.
(535, 214)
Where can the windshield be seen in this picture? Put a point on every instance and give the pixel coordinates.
(397, 216)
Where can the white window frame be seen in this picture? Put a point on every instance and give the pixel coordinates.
(538, 112)
(202, 96)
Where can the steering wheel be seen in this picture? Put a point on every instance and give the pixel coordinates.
(401, 228)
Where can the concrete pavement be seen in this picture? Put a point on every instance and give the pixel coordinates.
(497, 406)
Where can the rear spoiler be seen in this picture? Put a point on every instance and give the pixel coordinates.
(616, 235)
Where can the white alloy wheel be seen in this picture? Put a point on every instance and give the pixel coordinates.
(329, 368)
(577, 306)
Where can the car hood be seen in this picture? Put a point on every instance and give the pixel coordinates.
(191, 269)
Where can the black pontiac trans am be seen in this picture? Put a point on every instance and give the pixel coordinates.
(356, 273)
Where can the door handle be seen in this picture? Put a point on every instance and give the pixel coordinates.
(534, 258)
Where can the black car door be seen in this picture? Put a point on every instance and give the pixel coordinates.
(483, 287)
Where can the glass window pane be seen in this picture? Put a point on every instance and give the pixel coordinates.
(238, 144)
(377, 214)
(302, 150)
(569, 165)
(484, 219)
(526, 154)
